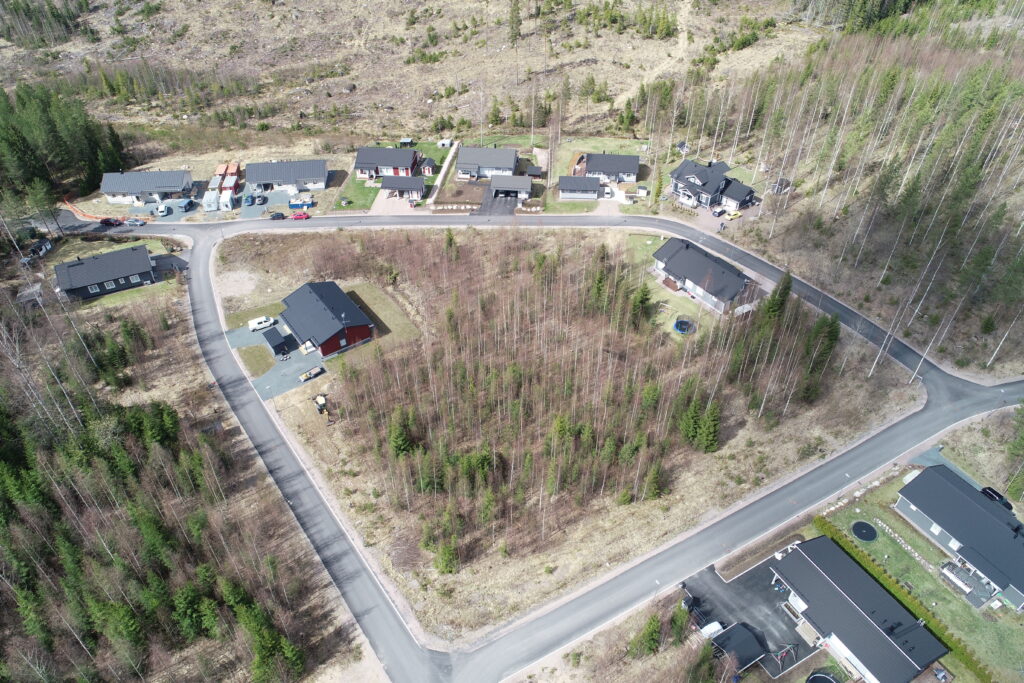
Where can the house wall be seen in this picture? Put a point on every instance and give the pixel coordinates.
(924, 524)
(345, 339)
(120, 198)
(848, 659)
(331, 346)
(358, 333)
(698, 291)
(488, 172)
(562, 195)
(730, 204)
(120, 284)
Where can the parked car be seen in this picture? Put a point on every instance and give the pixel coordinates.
(112, 222)
(718, 212)
(300, 216)
(135, 222)
(260, 323)
(311, 373)
(163, 210)
(733, 215)
(248, 200)
(994, 495)
(277, 216)
(609, 193)
(261, 199)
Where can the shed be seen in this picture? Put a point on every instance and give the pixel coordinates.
(428, 166)
(406, 142)
(534, 171)
(275, 340)
(444, 143)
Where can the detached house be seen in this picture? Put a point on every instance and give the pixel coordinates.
(384, 161)
(839, 606)
(484, 162)
(718, 284)
(114, 271)
(984, 539)
(612, 168)
(322, 318)
(290, 176)
(143, 187)
(578, 187)
(406, 188)
(697, 184)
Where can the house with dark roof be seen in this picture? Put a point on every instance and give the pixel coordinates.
(427, 166)
(984, 540)
(323, 319)
(114, 271)
(741, 643)
(143, 187)
(838, 605)
(483, 162)
(696, 184)
(612, 168)
(683, 266)
(372, 162)
(404, 187)
(291, 176)
(575, 187)
(506, 185)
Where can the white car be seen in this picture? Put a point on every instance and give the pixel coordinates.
(260, 323)
(163, 210)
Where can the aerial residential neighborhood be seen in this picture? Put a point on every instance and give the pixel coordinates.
(553, 342)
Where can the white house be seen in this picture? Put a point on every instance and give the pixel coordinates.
(576, 187)
(372, 162)
(143, 187)
(714, 282)
(483, 162)
(291, 176)
(612, 168)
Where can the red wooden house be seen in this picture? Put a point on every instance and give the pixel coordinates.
(323, 318)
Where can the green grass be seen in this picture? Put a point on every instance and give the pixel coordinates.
(521, 141)
(994, 636)
(240, 318)
(641, 248)
(667, 305)
(567, 150)
(71, 248)
(393, 326)
(256, 359)
(143, 293)
(356, 190)
(555, 206)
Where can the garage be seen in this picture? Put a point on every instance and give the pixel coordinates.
(515, 186)
(276, 341)
(403, 187)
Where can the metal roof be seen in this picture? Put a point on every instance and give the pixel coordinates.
(502, 182)
(844, 600)
(372, 157)
(983, 527)
(286, 172)
(740, 641)
(317, 311)
(93, 270)
(685, 260)
(576, 183)
(401, 182)
(274, 338)
(142, 182)
(487, 157)
(613, 164)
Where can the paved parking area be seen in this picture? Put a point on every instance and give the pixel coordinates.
(277, 199)
(751, 598)
(284, 376)
(174, 216)
(495, 206)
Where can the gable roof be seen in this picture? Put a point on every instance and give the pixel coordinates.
(502, 182)
(983, 527)
(402, 182)
(317, 311)
(613, 164)
(708, 176)
(736, 190)
(93, 270)
(369, 158)
(142, 182)
(428, 162)
(576, 183)
(740, 641)
(488, 157)
(842, 599)
(685, 260)
(286, 172)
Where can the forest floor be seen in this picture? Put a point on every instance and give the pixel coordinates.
(493, 587)
(175, 373)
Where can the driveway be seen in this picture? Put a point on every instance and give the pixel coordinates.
(277, 199)
(752, 599)
(495, 206)
(284, 376)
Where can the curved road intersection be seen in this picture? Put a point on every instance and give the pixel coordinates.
(516, 645)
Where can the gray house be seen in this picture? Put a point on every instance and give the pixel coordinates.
(291, 176)
(984, 539)
(483, 162)
(506, 185)
(384, 161)
(836, 604)
(404, 187)
(696, 184)
(114, 271)
(578, 187)
(718, 284)
(612, 168)
(142, 187)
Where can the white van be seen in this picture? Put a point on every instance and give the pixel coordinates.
(261, 323)
(163, 210)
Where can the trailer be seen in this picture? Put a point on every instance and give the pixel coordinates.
(227, 200)
(301, 201)
(211, 200)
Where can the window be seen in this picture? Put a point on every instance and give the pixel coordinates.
(134, 279)
(936, 529)
(94, 289)
(913, 507)
(954, 544)
(109, 284)
(121, 280)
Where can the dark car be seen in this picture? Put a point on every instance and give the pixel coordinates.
(112, 222)
(248, 200)
(261, 199)
(277, 216)
(718, 212)
(994, 495)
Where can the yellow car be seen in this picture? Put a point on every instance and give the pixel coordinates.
(733, 214)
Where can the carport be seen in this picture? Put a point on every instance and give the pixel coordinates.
(517, 186)
(276, 341)
(403, 186)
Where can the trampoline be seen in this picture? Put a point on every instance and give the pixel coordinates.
(821, 678)
(864, 532)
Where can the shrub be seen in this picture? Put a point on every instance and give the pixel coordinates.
(648, 640)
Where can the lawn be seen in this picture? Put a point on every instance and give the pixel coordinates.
(641, 248)
(995, 636)
(393, 326)
(571, 147)
(668, 306)
(358, 192)
(555, 206)
(143, 293)
(71, 248)
(257, 359)
(520, 141)
(240, 318)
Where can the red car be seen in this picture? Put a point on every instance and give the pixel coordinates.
(300, 216)
(113, 222)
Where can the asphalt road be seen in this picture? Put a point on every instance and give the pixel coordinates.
(514, 646)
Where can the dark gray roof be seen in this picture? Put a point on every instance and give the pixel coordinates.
(372, 157)
(274, 338)
(511, 183)
(715, 276)
(427, 161)
(983, 526)
(317, 311)
(534, 171)
(401, 182)
(736, 190)
(487, 157)
(286, 172)
(140, 182)
(576, 183)
(613, 164)
(102, 267)
(740, 641)
(844, 600)
(708, 176)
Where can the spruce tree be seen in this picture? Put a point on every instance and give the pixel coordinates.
(690, 421)
(707, 430)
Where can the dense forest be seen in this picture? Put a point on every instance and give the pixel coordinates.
(34, 23)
